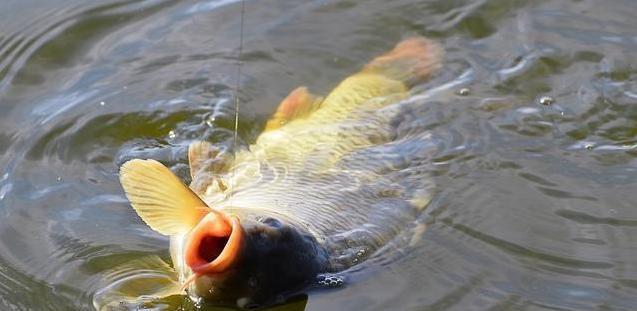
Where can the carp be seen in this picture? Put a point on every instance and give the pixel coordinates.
(320, 189)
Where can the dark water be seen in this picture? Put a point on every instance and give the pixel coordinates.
(534, 207)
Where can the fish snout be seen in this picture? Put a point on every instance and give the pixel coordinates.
(214, 244)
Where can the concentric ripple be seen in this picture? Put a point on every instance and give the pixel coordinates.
(529, 135)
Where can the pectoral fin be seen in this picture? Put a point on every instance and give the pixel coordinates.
(198, 153)
(160, 198)
(298, 104)
(203, 155)
(207, 162)
(142, 280)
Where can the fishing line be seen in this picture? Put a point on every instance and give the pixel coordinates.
(237, 92)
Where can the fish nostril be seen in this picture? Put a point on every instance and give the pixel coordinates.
(271, 222)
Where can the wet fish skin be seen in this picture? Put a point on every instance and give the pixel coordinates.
(309, 196)
(276, 258)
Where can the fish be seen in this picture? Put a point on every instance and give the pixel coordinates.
(319, 191)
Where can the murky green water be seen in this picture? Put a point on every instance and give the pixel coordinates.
(534, 205)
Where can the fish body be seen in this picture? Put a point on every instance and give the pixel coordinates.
(321, 188)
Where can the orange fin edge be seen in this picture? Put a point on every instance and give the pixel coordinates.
(298, 104)
(412, 61)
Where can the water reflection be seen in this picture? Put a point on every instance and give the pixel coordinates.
(533, 208)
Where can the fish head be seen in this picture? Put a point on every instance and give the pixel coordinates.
(249, 259)
(222, 254)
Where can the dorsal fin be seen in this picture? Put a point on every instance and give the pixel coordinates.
(160, 198)
(298, 104)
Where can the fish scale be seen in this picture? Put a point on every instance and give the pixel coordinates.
(328, 183)
(328, 209)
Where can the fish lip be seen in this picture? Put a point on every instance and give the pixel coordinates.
(217, 225)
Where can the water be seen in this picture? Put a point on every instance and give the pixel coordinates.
(534, 207)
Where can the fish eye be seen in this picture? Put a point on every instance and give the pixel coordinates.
(271, 222)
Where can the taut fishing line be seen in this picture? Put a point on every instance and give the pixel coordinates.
(236, 93)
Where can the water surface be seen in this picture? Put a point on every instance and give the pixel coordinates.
(534, 203)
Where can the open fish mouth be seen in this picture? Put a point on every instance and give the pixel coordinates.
(214, 244)
(259, 257)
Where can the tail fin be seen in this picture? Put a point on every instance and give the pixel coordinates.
(412, 61)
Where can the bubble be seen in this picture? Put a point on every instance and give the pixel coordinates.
(464, 91)
(172, 134)
(102, 103)
(211, 121)
(589, 146)
(546, 100)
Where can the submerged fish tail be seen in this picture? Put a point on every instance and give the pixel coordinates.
(412, 61)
